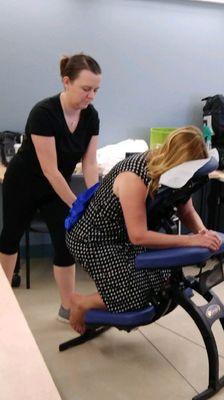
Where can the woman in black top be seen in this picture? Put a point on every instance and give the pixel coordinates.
(60, 131)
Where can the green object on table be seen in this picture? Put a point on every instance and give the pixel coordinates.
(158, 136)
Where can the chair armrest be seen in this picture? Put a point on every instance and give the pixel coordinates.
(176, 257)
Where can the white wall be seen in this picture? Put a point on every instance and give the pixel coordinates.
(159, 58)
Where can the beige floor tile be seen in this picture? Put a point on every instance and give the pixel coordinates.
(188, 358)
(122, 366)
(115, 366)
(181, 323)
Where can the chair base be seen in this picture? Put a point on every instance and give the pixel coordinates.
(203, 316)
(86, 337)
(210, 392)
(16, 280)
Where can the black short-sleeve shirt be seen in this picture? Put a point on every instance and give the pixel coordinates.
(47, 119)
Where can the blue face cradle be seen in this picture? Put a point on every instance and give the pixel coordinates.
(79, 206)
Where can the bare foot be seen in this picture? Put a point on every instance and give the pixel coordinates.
(77, 313)
(80, 305)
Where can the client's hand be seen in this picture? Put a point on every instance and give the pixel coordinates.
(206, 238)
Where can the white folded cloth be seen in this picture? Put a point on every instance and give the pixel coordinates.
(176, 177)
(111, 154)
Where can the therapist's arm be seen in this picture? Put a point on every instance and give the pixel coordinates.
(46, 153)
(89, 163)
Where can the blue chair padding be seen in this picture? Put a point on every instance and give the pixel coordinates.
(130, 318)
(176, 257)
(124, 319)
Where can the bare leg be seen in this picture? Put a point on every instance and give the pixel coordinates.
(80, 305)
(8, 263)
(65, 279)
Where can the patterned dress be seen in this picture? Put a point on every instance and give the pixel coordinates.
(100, 243)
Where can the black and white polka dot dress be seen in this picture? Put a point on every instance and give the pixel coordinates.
(100, 243)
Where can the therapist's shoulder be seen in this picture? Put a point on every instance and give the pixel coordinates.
(91, 120)
(90, 111)
(46, 104)
(42, 117)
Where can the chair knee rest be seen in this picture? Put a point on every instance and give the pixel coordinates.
(129, 318)
(125, 319)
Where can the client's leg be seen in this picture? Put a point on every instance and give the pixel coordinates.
(80, 305)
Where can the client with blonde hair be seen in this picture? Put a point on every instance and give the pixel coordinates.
(113, 230)
(184, 144)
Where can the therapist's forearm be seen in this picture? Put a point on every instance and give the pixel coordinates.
(91, 174)
(61, 187)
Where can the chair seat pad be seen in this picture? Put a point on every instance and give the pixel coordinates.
(125, 319)
(130, 318)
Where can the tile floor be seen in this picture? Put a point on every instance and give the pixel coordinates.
(162, 361)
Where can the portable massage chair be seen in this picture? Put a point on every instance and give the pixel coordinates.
(180, 289)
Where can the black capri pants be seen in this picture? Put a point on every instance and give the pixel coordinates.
(22, 197)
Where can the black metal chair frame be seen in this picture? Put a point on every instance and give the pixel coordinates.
(37, 225)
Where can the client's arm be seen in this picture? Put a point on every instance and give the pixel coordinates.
(132, 192)
(190, 218)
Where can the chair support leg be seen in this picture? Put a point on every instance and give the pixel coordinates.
(203, 316)
(204, 319)
(88, 335)
(27, 250)
(16, 278)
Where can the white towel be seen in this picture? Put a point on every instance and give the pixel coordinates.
(176, 177)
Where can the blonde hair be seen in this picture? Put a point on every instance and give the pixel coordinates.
(183, 144)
